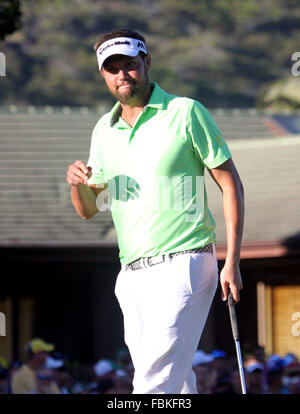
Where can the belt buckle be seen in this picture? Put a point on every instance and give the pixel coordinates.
(152, 261)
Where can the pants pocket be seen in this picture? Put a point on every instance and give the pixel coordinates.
(203, 272)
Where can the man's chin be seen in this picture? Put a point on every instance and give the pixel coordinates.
(129, 93)
(125, 97)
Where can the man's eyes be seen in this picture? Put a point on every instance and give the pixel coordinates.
(131, 65)
(115, 70)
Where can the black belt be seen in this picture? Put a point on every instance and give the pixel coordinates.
(144, 262)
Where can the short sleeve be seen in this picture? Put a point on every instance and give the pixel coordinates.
(207, 140)
(94, 160)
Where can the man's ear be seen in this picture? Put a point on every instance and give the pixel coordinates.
(101, 73)
(148, 61)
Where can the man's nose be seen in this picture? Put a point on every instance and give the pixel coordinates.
(123, 72)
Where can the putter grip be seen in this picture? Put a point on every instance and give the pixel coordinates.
(233, 319)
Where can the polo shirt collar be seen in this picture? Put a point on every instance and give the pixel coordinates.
(115, 114)
(157, 100)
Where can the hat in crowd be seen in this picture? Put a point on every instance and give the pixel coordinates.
(275, 363)
(121, 373)
(55, 360)
(37, 345)
(218, 353)
(201, 357)
(103, 366)
(254, 366)
(289, 358)
(119, 46)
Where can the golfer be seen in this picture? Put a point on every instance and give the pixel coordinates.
(149, 154)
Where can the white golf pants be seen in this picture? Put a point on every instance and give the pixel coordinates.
(165, 308)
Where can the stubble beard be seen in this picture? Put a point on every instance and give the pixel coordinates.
(135, 94)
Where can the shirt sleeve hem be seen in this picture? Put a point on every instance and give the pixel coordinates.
(219, 161)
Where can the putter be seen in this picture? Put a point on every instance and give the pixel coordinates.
(235, 333)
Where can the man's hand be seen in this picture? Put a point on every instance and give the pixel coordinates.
(230, 278)
(78, 173)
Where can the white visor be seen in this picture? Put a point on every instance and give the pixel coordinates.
(119, 46)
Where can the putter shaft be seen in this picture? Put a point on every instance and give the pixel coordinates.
(240, 364)
(235, 333)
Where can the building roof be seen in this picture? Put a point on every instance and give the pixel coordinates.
(271, 179)
(38, 144)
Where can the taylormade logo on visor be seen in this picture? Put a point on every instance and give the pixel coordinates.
(119, 46)
(102, 49)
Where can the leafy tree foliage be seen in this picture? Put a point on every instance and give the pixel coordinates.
(221, 52)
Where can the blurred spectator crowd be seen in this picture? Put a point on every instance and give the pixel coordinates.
(47, 371)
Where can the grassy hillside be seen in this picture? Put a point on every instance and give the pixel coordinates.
(220, 52)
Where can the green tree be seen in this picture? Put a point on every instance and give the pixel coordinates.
(221, 52)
